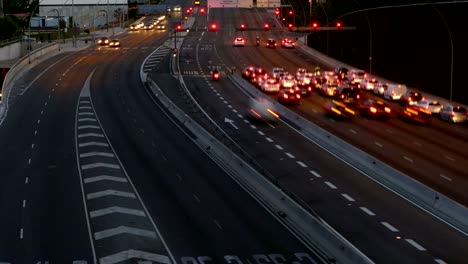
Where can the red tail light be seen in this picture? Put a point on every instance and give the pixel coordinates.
(357, 96)
(298, 96)
(342, 96)
(373, 109)
(310, 89)
(452, 114)
(216, 75)
(285, 96)
(387, 109)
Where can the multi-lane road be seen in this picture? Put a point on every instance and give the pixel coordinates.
(96, 170)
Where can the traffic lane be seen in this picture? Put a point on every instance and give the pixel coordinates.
(45, 196)
(382, 202)
(194, 203)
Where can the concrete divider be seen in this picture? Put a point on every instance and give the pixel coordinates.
(424, 197)
(21, 66)
(326, 242)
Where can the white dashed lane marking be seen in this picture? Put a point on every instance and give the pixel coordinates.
(290, 155)
(347, 197)
(439, 261)
(378, 144)
(261, 133)
(353, 131)
(389, 226)
(253, 127)
(302, 164)
(315, 174)
(367, 211)
(408, 159)
(445, 177)
(269, 139)
(416, 245)
(330, 185)
(449, 158)
(279, 147)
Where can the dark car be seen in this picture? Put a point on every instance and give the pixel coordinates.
(375, 109)
(348, 95)
(247, 72)
(337, 109)
(411, 98)
(104, 41)
(289, 96)
(415, 114)
(303, 88)
(271, 43)
(258, 71)
(318, 81)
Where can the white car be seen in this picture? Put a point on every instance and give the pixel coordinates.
(287, 81)
(370, 84)
(357, 75)
(288, 43)
(161, 27)
(239, 42)
(270, 85)
(395, 91)
(454, 113)
(277, 72)
(177, 8)
(433, 106)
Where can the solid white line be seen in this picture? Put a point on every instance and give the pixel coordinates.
(253, 127)
(217, 224)
(21, 233)
(93, 144)
(347, 197)
(302, 164)
(87, 119)
(269, 139)
(315, 174)
(416, 245)
(353, 131)
(440, 261)
(104, 178)
(123, 229)
(279, 147)
(330, 185)
(90, 135)
(109, 192)
(116, 209)
(378, 144)
(389, 226)
(445, 177)
(90, 154)
(88, 126)
(408, 159)
(289, 155)
(367, 211)
(261, 133)
(134, 254)
(100, 164)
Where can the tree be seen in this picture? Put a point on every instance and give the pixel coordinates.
(9, 28)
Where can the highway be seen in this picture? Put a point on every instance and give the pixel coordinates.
(95, 171)
(329, 186)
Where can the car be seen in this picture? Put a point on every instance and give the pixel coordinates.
(453, 113)
(380, 90)
(287, 81)
(433, 106)
(270, 85)
(247, 72)
(261, 109)
(161, 26)
(370, 84)
(133, 27)
(114, 43)
(411, 98)
(148, 26)
(261, 78)
(271, 43)
(239, 42)
(104, 41)
(341, 71)
(338, 110)
(258, 71)
(277, 72)
(288, 43)
(300, 72)
(414, 114)
(177, 8)
(375, 109)
(348, 94)
(318, 81)
(289, 96)
(328, 89)
(196, 2)
(304, 88)
(395, 91)
(357, 75)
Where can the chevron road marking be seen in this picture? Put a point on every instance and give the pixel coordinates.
(91, 154)
(116, 209)
(109, 192)
(90, 135)
(124, 230)
(100, 164)
(93, 144)
(129, 254)
(88, 126)
(87, 119)
(104, 178)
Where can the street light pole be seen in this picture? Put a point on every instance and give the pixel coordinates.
(29, 33)
(58, 26)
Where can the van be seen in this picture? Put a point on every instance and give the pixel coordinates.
(395, 91)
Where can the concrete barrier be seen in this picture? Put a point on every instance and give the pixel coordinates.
(417, 193)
